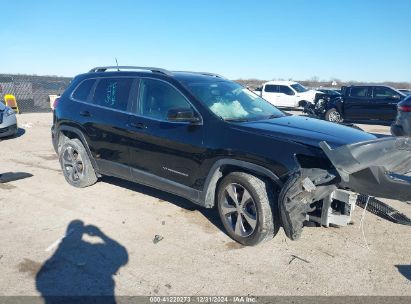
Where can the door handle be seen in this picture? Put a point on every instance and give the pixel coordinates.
(137, 125)
(85, 113)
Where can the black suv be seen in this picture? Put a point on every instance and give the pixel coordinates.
(208, 139)
(362, 103)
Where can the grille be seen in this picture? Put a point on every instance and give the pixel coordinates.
(381, 209)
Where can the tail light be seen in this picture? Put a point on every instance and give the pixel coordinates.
(404, 108)
(55, 103)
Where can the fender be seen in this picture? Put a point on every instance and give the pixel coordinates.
(208, 195)
(336, 103)
(80, 136)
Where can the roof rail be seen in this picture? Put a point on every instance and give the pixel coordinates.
(152, 69)
(204, 73)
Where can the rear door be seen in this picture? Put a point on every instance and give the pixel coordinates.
(383, 105)
(270, 93)
(107, 129)
(356, 103)
(165, 149)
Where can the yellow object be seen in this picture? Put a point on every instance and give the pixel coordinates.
(10, 100)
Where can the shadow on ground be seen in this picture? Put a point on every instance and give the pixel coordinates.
(210, 214)
(83, 267)
(405, 270)
(13, 176)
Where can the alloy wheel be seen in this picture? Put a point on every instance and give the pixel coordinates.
(73, 165)
(239, 210)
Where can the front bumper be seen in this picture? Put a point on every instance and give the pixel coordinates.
(8, 131)
(380, 167)
(8, 125)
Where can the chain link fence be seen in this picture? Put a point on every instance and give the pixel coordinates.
(32, 92)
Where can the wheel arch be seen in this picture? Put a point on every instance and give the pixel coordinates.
(65, 133)
(225, 166)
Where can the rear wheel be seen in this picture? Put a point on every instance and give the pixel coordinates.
(333, 115)
(76, 165)
(246, 208)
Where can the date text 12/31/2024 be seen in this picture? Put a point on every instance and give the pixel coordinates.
(203, 299)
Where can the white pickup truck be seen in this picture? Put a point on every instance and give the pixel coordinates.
(288, 94)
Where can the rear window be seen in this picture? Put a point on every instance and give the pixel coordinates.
(359, 92)
(83, 90)
(113, 93)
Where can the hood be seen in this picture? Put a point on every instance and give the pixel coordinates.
(2, 106)
(307, 131)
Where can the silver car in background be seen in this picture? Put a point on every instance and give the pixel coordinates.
(402, 124)
(8, 121)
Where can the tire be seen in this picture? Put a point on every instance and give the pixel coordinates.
(302, 103)
(76, 165)
(333, 115)
(259, 209)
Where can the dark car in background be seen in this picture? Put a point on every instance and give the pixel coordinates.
(363, 103)
(405, 91)
(402, 124)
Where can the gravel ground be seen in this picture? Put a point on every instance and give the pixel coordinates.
(111, 226)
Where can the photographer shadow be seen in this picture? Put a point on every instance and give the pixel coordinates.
(81, 271)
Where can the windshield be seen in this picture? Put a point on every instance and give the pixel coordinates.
(330, 92)
(299, 88)
(232, 102)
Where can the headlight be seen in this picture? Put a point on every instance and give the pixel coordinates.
(8, 111)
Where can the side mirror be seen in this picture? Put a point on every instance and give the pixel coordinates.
(396, 97)
(182, 115)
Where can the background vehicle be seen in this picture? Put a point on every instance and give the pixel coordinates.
(8, 121)
(288, 94)
(402, 124)
(405, 91)
(212, 141)
(363, 103)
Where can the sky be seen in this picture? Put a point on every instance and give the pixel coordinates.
(367, 40)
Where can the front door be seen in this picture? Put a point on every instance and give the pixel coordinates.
(383, 105)
(171, 150)
(286, 97)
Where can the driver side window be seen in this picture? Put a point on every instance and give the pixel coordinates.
(158, 97)
(383, 93)
(286, 90)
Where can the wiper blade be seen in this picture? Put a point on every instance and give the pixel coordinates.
(273, 116)
(236, 119)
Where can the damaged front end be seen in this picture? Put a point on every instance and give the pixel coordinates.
(379, 167)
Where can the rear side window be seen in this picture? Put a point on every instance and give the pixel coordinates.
(82, 92)
(270, 88)
(113, 93)
(286, 90)
(359, 92)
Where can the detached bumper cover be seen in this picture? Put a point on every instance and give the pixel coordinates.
(379, 167)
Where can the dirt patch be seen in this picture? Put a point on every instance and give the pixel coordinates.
(233, 245)
(29, 266)
(48, 157)
(195, 217)
(6, 186)
(34, 165)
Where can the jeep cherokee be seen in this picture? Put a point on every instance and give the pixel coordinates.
(215, 143)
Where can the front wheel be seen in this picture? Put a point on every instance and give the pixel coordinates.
(247, 209)
(333, 115)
